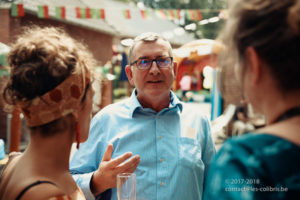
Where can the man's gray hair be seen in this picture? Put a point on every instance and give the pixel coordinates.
(147, 37)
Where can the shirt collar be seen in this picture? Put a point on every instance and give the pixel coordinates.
(175, 102)
(134, 103)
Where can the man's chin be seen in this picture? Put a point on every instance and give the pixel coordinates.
(158, 92)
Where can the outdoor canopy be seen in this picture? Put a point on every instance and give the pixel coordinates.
(194, 56)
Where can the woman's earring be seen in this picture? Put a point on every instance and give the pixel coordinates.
(77, 135)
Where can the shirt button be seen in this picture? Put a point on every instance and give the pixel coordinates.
(161, 183)
(161, 160)
(160, 137)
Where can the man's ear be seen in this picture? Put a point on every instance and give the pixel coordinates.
(175, 68)
(128, 71)
(254, 65)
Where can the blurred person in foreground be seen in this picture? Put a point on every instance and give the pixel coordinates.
(50, 82)
(173, 141)
(263, 40)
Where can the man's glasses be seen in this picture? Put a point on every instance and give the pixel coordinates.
(145, 63)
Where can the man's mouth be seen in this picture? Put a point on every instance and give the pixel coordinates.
(157, 81)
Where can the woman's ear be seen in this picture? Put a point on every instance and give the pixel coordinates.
(253, 65)
(75, 115)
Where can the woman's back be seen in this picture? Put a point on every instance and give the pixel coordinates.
(263, 41)
(22, 180)
(49, 82)
(256, 166)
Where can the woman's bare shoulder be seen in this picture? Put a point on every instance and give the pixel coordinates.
(288, 130)
(42, 192)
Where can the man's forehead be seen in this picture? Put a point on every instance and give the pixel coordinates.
(141, 49)
(160, 42)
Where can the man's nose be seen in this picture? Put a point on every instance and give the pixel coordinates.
(154, 69)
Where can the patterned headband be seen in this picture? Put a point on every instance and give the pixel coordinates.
(59, 102)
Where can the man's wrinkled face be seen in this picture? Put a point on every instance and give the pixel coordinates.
(154, 82)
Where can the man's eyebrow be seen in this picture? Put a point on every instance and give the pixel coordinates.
(147, 57)
(161, 56)
(144, 57)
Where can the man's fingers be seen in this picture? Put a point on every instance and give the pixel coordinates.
(130, 165)
(118, 160)
(108, 152)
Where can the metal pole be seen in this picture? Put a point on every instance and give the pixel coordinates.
(8, 121)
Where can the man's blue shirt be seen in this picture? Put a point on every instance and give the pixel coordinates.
(175, 147)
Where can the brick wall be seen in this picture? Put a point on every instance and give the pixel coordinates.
(4, 26)
(100, 44)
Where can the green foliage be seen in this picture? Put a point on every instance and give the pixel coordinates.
(210, 30)
(181, 4)
(3, 61)
(119, 93)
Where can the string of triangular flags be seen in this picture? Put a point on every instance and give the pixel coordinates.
(17, 10)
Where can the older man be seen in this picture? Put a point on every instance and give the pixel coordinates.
(174, 143)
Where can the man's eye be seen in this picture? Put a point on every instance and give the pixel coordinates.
(144, 61)
(162, 60)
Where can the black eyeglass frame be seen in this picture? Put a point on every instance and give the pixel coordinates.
(152, 60)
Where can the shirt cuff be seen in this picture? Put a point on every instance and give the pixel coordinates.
(83, 181)
(106, 195)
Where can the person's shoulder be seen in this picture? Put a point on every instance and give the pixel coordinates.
(252, 146)
(122, 104)
(239, 146)
(246, 141)
(43, 192)
(254, 140)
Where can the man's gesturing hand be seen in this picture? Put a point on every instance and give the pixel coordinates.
(105, 176)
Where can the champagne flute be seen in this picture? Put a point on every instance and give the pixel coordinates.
(126, 186)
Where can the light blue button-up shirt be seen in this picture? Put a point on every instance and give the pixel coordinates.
(175, 147)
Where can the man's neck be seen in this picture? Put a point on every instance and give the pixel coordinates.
(155, 103)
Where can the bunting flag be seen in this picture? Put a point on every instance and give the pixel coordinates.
(171, 14)
(194, 15)
(17, 10)
(177, 14)
(199, 15)
(60, 12)
(168, 14)
(43, 12)
(88, 14)
(163, 14)
(145, 14)
(102, 13)
(98, 13)
(127, 14)
(78, 12)
(190, 14)
(83, 13)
